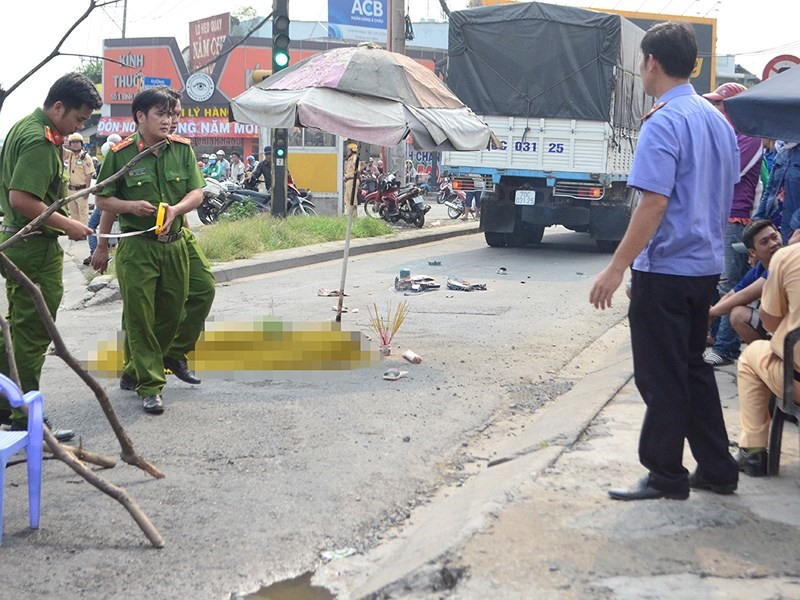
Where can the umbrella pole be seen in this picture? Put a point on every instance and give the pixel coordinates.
(350, 217)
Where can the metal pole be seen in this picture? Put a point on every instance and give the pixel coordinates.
(124, 17)
(396, 159)
(350, 217)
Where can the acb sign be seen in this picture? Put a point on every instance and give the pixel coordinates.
(368, 8)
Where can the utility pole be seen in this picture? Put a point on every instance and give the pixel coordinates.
(396, 157)
(124, 17)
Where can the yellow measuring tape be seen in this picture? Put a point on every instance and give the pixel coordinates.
(160, 216)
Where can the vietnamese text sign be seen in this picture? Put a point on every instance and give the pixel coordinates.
(358, 19)
(206, 37)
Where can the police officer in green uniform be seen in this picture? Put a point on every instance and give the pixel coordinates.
(198, 303)
(32, 178)
(153, 270)
(202, 289)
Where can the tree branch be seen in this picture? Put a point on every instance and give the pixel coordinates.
(92, 5)
(119, 494)
(128, 455)
(35, 223)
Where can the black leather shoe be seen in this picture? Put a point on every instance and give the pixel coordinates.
(153, 405)
(62, 435)
(698, 482)
(126, 382)
(752, 462)
(641, 490)
(180, 369)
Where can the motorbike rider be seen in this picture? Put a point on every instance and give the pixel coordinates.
(264, 169)
(214, 169)
(249, 167)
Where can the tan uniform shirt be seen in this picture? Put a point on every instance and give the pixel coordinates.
(350, 180)
(80, 168)
(782, 285)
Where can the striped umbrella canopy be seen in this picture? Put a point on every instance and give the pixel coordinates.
(367, 94)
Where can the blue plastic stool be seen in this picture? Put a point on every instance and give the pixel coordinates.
(12, 442)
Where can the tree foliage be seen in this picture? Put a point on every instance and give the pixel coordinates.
(91, 68)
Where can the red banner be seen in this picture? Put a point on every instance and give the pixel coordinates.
(188, 127)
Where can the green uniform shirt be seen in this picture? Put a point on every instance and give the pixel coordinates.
(31, 162)
(167, 177)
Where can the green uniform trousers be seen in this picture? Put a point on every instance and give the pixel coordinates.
(198, 304)
(42, 260)
(154, 282)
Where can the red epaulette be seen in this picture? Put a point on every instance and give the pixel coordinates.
(54, 137)
(123, 144)
(181, 140)
(652, 110)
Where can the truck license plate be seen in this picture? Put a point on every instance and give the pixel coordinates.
(525, 197)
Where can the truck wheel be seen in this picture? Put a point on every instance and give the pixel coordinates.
(494, 239)
(537, 233)
(607, 245)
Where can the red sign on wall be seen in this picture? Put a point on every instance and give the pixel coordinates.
(206, 37)
(122, 81)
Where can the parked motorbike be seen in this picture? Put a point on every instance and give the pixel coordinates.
(447, 192)
(220, 196)
(411, 207)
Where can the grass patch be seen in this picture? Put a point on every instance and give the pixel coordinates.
(225, 241)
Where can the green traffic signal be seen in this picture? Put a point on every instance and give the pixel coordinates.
(281, 59)
(280, 152)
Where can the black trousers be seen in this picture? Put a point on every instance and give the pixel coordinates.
(668, 316)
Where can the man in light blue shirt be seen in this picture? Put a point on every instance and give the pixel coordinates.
(686, 165)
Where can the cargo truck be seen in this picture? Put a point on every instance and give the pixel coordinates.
(560, 88)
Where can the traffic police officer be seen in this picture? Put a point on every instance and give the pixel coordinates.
(80, 170)
(32, 178)
(153, 270)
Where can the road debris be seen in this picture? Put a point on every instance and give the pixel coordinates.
(412, 357)
(460, 285)
(394, 374)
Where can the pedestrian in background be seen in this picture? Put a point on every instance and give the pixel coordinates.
(237, 168)
(727, 343)
(31, 179)
(263, 169)
(80, 169)
(351, 180)
(686, 165)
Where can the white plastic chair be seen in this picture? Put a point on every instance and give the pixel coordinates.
(31, 441)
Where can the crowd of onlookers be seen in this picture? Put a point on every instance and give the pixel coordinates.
(765, 216)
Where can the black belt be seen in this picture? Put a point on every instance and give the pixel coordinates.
(164, 238)
(77, 187)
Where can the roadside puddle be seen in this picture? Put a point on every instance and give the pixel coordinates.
(297, 588)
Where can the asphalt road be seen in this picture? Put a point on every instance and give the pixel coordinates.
(262, 474)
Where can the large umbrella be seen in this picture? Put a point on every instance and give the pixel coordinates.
(770, 109)
(367, 94)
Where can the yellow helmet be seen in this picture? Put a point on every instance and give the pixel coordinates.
(75, 137)
(352, 147)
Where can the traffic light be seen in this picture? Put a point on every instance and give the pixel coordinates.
(280, 35)
(279, 144)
